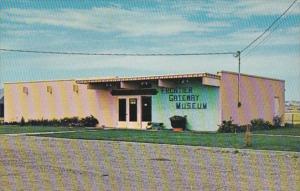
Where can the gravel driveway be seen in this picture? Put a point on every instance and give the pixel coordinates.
(38, 163)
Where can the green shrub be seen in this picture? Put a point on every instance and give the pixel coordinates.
(11, 123)
(260, 124)
(69, 121)
(89, 121)
(277, 121)
(22, 122)
(229, 127)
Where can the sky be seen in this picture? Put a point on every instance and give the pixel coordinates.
(152, 26)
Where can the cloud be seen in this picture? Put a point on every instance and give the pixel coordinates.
(181, 28)
(128, 22)
(258, 7)
(238, 8)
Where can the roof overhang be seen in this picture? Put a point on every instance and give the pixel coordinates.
(146, 82)
(148, 78)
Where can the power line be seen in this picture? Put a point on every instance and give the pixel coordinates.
(154, 54)
(277, 19)
(267, 37)
(117, 54)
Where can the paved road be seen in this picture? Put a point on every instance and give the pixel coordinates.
(38, 163)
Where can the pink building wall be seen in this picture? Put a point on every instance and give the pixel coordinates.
(257, 95)
(63, 102)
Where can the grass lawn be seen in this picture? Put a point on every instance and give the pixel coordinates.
(11, 129)
(226, 140)
(282, 131)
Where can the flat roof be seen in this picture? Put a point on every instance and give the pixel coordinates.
(141, 78)
(250, 75)
(38, 81)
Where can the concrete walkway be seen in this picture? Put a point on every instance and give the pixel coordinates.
(295, 136)
(45, 133)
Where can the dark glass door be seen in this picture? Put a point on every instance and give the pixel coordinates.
(122, 109)
(133, 109)
(146, 108)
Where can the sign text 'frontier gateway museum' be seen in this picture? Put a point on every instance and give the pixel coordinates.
(132, 102)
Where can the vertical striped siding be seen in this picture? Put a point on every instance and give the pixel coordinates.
(72, 100)
(229, 98)
(57, 100)
(44, 104)
(34, 103)
(257, 97)
(91, 103)
(99, 104)
(79, 101)
(52, 107)
(63, 102)
(23, 102)
(269, 98)
(82, 93)
(10, 95)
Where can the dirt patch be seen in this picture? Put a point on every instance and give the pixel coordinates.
(36, 163)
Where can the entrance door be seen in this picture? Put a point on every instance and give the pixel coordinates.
(129, 112)
(133, 117)
(122, 121)
(146, 110)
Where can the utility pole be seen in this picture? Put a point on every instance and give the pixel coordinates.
(239, 104)
(238, 55)
(239, 79)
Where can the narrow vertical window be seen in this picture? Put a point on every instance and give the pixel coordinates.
(75, 88)
(25, 90)
(122, 109)
(49, 89)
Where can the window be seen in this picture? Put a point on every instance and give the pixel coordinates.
(25, 90)
(75, 88)
(122, 109)
(49, 89)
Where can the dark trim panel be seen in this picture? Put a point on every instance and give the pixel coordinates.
(120, 92)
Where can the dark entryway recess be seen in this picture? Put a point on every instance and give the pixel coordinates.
(1, 110)
(125, 92)
(2, 107)
(122, 109)
(146, 108)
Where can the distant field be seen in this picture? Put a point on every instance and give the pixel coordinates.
(293, 117)
(4, 129)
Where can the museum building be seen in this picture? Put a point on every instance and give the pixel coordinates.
(131, 102)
